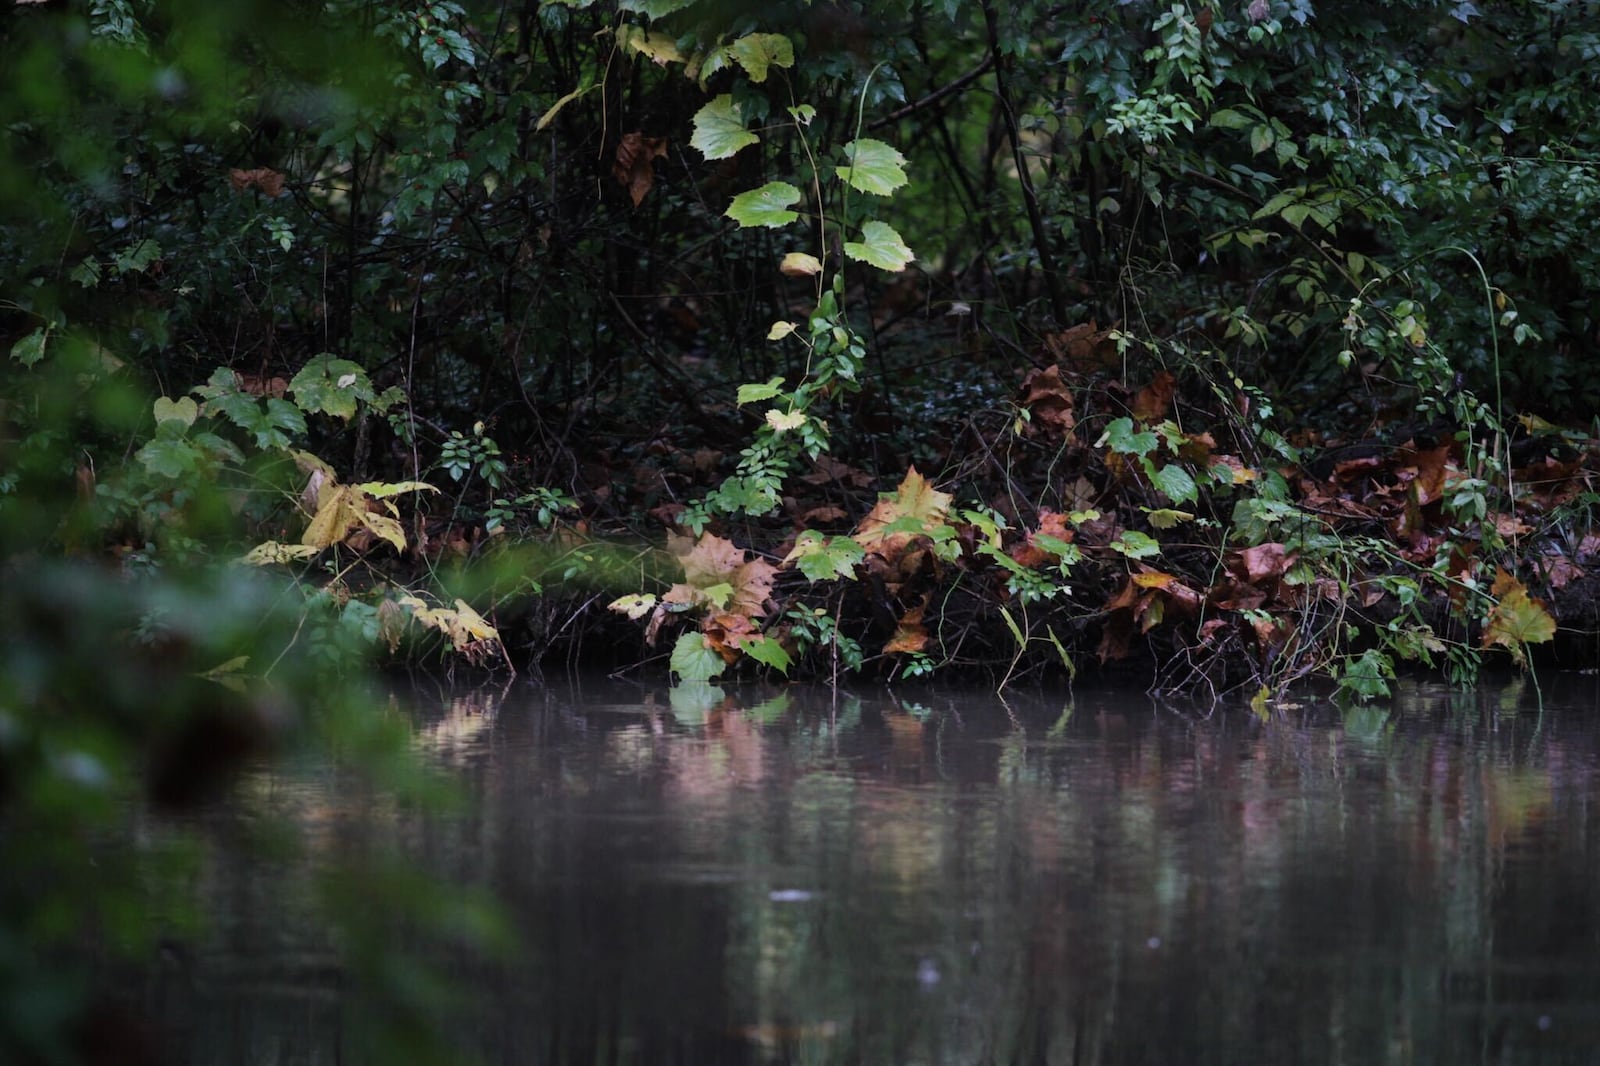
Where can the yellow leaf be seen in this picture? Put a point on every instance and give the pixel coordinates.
(273, 551)
(635, 606)
(800, 265)
(784, 420)
(383, 527)
(338, 512)
(780, 330)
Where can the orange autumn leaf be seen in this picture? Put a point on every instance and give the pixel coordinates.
(915, 500)
(910, 635)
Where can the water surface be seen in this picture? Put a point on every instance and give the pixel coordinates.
(810, 877)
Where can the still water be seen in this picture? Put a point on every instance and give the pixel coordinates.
(948, 878)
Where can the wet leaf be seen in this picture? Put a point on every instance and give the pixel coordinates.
(463, 625)
(1048, 401)
(766, 206)
(30, 349)
(1136, 545)
(333, 386)
(875, 167)
(659, 47)
(719, 130)
(782, 421)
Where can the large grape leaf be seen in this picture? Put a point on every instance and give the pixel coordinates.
(694, 659)
(880, 246)
(755, 52)
(766, 206)
(874, 167)
(332, 386)
(719, 129)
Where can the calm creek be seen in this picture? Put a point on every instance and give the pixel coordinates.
(943, 877)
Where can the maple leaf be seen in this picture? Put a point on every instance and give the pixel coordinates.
(715, 573)
(634, 167)
(916, 503)
(1516, 618)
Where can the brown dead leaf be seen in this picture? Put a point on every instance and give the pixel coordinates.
(910, 635)
(634, 166)
(1557, 570)
(1154, 401)
(1084, 347)
(1048, 401)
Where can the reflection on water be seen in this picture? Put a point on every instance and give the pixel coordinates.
(811, 878)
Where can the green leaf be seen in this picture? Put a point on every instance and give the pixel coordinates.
(694, 659)
(757, 51)
(719, 129)
(183, 410)
(874, 167)
(1120, 437)
(1136, 545)
(654, 8)
(1175, 483)
(86, 273)
(880, 246)
(333, 386)
(757, 393)
(823, 558)
(30, 349)
(768, 651)
(137, 259)
(169, 457)
(1229, 119)
(766, 206)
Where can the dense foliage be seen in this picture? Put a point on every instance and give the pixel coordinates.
(1243, 341)
(1212, 320)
